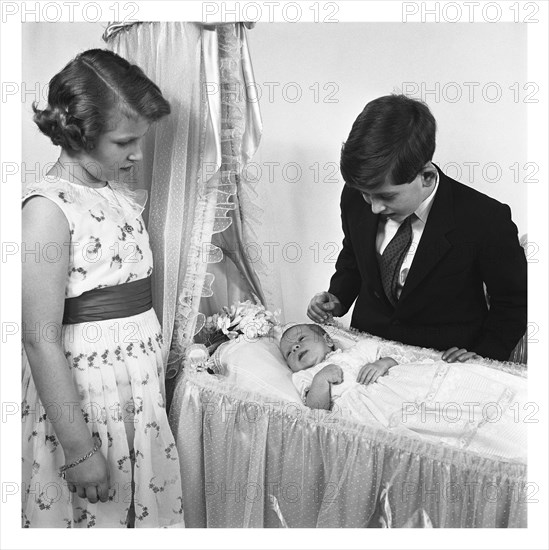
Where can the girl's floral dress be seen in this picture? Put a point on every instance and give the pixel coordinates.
(117, 368)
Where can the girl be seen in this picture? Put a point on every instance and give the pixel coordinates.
(97, 447)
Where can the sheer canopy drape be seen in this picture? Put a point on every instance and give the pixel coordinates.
(201, 212)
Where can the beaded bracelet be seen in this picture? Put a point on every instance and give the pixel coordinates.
(65, 467)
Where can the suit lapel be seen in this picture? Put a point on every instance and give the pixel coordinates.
(433, 245)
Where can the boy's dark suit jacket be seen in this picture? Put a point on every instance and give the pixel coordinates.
(469, 239)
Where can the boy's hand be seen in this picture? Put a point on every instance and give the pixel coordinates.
(370, 372)
(456, 354)
(322, 305)
(332, 374)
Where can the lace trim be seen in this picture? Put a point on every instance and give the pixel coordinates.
(404, 353)
(215, 196)
(186, 313)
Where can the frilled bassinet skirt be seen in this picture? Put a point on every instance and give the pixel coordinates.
(117, 368)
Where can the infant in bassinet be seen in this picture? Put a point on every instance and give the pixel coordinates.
(464, 405)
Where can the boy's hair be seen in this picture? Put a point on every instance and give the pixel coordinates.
(391, 140)
(84, 95)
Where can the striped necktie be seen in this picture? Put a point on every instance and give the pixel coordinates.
(392, 258)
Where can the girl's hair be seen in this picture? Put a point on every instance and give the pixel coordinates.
(84, 96)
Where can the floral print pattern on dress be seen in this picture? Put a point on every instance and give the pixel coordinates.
(61, 195)
(85, 516)
(152, 426)
(116, 260)
(100, 217)
(51, 440)
(76, 361)
(96, 242)
(116, 366)
(78, 270)
(123, 232)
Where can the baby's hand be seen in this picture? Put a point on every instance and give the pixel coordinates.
(332, 374)
(370, 372)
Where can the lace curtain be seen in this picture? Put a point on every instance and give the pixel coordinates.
(201, 211)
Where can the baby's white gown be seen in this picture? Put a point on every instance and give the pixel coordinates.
(464, 405)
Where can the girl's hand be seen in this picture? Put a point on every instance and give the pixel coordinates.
(332, 374)
(459, 354)
(370, 372)
(90, 479)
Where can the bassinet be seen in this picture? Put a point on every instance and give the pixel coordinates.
(261, 459)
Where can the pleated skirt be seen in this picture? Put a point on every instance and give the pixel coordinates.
(118, 372)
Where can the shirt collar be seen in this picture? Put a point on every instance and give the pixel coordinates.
(424, 208)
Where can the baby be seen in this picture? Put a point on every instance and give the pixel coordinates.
(306, 347)
(412, 398)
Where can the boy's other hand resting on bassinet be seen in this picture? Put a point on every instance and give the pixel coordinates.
(370, 372)
(455, 354)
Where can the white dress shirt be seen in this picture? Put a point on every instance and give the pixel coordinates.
(386, 231)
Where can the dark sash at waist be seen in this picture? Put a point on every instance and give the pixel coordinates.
(111, 302)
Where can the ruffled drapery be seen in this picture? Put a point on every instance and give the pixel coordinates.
(251, 461)
(255, 460)
(201, 209)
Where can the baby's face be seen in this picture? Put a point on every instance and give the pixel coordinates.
(303, 348)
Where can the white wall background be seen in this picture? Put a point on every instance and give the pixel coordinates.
(314, 79)
(47, 48)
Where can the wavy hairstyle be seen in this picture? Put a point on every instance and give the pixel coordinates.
(83, 96)
(391, 140)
